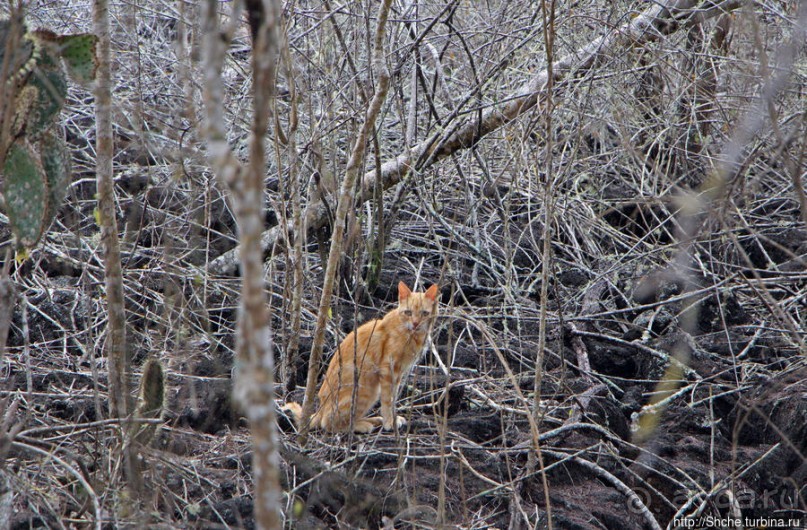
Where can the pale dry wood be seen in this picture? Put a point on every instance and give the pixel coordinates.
(116, 341)
(254, 378)
(346, 201)
(117, 360)
(637, 503)
(659, 19)
(77, 476)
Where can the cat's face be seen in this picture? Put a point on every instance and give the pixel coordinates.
(416, 310)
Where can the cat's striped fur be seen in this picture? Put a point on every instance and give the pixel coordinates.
(377, 356)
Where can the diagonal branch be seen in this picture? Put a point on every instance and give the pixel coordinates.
(662, 18)
(346, 201)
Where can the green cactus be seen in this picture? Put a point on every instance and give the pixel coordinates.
(78, 54)
(56, 163)
(16, 51)
(12, 37)
(36, 65)
(50, 83)
(34, 158)
(26, 193)
(151, 398)
(152, 390)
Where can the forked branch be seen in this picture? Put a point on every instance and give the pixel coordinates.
(660, 19)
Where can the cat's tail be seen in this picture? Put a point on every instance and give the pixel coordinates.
(296, 411)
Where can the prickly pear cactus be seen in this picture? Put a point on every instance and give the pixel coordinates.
(56, 163)
(26, 193)
(151, 399)
(34, 160)
(12, 34)
(49, 86)
(78, 54)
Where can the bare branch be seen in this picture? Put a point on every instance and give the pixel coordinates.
(660, 19)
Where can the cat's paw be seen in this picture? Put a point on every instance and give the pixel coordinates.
(364, 426)
(400, 421)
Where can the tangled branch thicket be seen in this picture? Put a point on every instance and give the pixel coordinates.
(662, 252)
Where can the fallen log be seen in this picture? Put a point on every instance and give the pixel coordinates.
(660, 19)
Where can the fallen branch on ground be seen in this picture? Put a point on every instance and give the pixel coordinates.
(660, 19)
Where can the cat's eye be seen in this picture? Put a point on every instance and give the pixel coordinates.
(425, 313)
(407, 312)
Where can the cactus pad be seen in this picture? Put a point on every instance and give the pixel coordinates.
(12, 35)
(34, 160)
(26, 193)
(56, 163)
(152, 390)
(78, 54)
(51, 89)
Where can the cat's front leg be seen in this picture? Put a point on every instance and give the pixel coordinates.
(388, 416)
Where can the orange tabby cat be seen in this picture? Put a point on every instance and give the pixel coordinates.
(381, 352)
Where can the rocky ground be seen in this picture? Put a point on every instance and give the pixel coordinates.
(730, 440)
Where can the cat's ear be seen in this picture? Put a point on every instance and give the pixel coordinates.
(431, 292)
(403, 291)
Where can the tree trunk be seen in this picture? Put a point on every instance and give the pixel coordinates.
(117, 359)
(254, 377)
